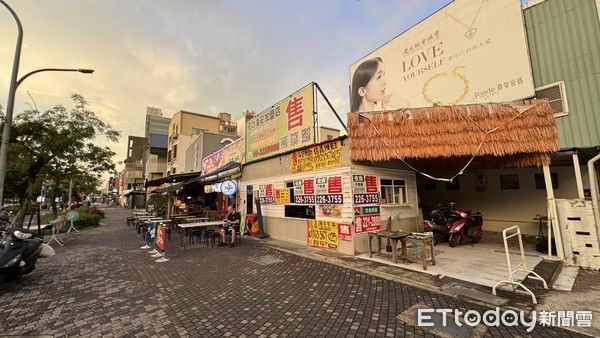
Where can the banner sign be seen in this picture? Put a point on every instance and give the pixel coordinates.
(233, 152)
(458, 55)
(344, 232)
(160, 238)
(322, 234)
(367, 223)
(285, 126)
(321, 156)
(329, 190)
(282, 196)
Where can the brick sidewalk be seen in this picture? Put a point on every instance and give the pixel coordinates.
(101, 285)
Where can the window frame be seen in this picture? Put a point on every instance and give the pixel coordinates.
(403, 193)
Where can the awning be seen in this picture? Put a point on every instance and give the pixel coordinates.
(226, 171)
(171, 179)
(132, 192)
(170, 188)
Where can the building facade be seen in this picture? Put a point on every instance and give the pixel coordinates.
(202, 145)
(182, 129)
(156, 131)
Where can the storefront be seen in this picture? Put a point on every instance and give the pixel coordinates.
(318, 197)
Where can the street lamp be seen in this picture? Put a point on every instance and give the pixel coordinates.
(14, 83)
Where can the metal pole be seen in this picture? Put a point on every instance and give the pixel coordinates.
(331, 107)
(578, 176)
(11, 100)
(70, 193)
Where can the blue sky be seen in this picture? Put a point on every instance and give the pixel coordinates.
(200, 56)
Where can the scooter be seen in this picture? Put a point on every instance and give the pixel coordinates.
(441, 221)
(468, 229)
(20, 251)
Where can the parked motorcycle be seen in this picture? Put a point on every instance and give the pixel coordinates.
(20, 251)
(467, 229)
(441, 221)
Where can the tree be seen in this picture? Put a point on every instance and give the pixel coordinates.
(57, 142)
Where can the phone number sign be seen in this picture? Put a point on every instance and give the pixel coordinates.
(366, 223)
(366, 198)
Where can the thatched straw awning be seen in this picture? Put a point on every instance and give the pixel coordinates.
(519, 134)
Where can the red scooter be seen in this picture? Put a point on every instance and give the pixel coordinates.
(467, 229)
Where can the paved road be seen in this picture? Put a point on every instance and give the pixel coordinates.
(101, 285)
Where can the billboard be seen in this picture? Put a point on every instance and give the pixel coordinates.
(233, 152)
(285, 126)
(470, 51)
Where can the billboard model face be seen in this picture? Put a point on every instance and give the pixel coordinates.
(471, 51)
(285, 126)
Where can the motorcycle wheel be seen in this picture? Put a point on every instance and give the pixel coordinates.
(454, 239)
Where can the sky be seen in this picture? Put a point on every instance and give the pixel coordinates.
(194, 55)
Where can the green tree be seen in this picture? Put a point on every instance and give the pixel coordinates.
(57, 142)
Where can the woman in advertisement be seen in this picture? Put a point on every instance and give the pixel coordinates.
(369, 85)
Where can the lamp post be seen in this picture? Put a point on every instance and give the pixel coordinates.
(14, 83)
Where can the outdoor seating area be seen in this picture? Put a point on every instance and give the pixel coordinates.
(487, 257)
(192, 228)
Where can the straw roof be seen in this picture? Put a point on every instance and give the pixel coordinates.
(519, 134)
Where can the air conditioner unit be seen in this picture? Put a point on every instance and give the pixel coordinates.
(556, 95)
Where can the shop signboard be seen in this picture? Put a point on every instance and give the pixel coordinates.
(329, 190)
(344, 232)
(285, 126)
(365, 189)
(282, 196)
(228, 188)
(322, 234)
(216, 187)
(322, 156)
(208, 189)
(458, 55)
(233, 152)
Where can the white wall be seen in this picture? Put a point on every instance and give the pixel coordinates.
(504, 208)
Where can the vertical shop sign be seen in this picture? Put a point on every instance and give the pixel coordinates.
(282, 196)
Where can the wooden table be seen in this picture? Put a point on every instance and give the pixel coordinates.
(394, 237)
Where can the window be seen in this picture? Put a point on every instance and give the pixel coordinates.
(430, 185)
(291, 186)
(300, 211)
(393, 191)
(556, 95)
(508, 182)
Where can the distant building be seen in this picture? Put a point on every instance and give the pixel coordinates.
(202, 145)
(156, 131)
(133, 174)
(182, 129)
(326, 134)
